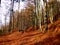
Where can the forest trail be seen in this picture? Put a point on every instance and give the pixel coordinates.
(51, 37)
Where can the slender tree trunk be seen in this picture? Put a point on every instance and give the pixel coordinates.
(11, 16)
(45, 17)
(6, 24)
(19, 22)
(1, 29)
(35, 15)
(51, 15)
(39, 14)
(13, 13)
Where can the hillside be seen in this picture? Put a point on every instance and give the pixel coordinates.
(31, 37)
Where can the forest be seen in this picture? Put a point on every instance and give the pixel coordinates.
(37, 24)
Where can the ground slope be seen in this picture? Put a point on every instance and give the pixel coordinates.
(51, 37)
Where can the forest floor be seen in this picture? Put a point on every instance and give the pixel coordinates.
(34, 37)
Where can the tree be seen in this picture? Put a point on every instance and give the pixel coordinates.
(39, 12)
(45, 16)
(11, 25)
(53, 9)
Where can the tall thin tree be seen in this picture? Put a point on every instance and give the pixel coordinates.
(35, 14)
(11, 16)
(13, 13)
(39, 14)
(18, 19)
(45, 16)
